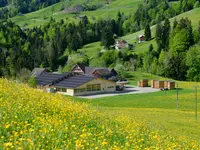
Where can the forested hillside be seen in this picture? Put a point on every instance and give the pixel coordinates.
(55, 44)
(49, 45)
(12, 7)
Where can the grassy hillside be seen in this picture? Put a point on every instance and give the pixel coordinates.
(107, 11)
(192, 15)
(158, 109)
(31, 119)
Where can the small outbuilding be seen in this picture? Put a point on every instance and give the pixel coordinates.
(120, 44)
(141, 38)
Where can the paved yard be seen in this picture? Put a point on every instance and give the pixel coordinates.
(127, 90)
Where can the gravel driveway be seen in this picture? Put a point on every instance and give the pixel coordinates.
(127, 90)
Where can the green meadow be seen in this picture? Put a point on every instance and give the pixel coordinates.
(158, 109)
(106, 12)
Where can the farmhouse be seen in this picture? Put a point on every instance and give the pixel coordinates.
(105, 73)
(119, 44)
(141, 38)
(74, 84)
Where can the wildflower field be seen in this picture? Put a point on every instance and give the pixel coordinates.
(31, 119)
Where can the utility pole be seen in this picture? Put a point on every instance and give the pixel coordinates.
(165, 85)
(177, 96)
(195, 108)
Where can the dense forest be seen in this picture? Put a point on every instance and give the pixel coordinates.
(178, 52)
(49, 45)
(55, 44)
(12, 8)
(154, 11)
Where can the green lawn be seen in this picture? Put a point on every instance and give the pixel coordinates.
(157, 109)
(174, 122)
(91, 49)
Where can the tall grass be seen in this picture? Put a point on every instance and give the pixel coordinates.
(32, 119)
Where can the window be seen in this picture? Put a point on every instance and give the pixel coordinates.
(80, 90)
(110, 87)
(89, 88)
(94, 87)
(58, 89)
(64, 90)
(98, 87)
(61, 89)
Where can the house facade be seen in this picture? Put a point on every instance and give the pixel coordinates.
(120, 44)
(74, 84)
(94, 86)
(141, 38)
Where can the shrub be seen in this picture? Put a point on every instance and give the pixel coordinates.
(32, 82)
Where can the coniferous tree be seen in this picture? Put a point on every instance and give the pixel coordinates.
(147, 33)
(107, 38)
(175, 23)
(199, 28)
(165, 34)
(158, 36)
(150, 48)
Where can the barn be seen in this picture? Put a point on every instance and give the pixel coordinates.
(74, 85)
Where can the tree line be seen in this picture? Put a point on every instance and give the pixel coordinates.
(178, 53)
(154, 11)
(11, 8)
(55, 44)
(49, 45)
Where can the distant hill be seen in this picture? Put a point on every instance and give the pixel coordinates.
(22, 7)
(95, 9)
(93, 48)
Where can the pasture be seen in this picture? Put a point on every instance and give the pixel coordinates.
(158, 109)
(106, 12)
(92, 48)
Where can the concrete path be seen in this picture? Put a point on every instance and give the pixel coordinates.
(127, 90)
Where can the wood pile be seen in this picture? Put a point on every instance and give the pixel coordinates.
(170, 84)
(157, 84)
(162, 84)
(143, 83)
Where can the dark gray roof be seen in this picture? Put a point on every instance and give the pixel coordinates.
(37, 72)
(103, 71)
(74, 81)
(89, 70)
(50, 78)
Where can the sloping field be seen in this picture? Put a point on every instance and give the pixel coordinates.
(31, 119)
(161, 109)
(107, 11)
(192, 15)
